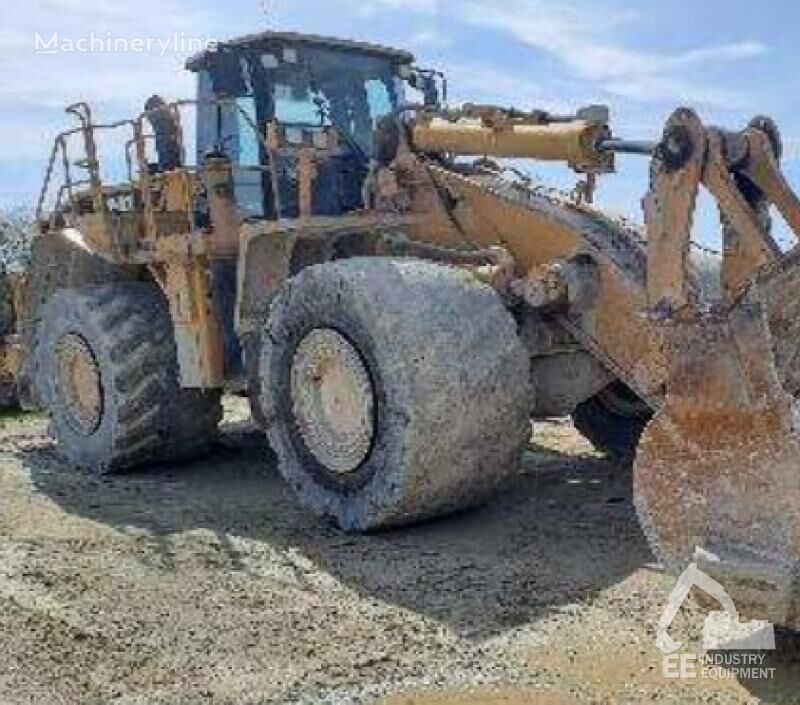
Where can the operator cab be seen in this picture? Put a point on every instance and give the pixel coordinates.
(295, 115)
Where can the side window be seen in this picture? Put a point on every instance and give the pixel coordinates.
(242, 145)
(248, 147)
(380, 102)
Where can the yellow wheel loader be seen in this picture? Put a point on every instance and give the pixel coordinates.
(316, 227)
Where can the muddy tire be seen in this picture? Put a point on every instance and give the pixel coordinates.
(107, 375)
(435, 398)
(613, 421)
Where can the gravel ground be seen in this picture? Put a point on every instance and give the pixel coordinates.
(206, 584)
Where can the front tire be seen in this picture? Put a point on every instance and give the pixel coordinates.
(395, 390)
(107, 375)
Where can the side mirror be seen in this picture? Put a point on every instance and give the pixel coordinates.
(425, 81)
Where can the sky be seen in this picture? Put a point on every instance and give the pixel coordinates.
(728, 60)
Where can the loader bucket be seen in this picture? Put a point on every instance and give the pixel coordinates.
(717, 473)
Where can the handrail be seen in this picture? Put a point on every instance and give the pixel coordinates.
(82, 111)
(47, 176)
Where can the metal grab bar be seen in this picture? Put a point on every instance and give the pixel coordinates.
(66, 191)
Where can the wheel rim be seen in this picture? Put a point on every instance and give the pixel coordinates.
(79, 383)
(333, 400)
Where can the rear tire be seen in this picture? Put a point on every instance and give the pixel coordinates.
(434, 396)
(107, 375)
(613, 420)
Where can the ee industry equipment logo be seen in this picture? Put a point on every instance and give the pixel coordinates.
(731, 648)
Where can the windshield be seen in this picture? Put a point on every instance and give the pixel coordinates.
(314, 87)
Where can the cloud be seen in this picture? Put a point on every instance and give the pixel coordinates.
(478, 83)
(576, 38)
(724, 52)
(429, 39)
(372, 7)
(584, 37)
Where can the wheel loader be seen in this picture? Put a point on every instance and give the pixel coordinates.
(318, 229)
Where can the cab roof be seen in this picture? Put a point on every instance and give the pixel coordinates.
(266, 39)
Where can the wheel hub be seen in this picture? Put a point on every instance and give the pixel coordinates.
(333, 400)
(79, 383)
